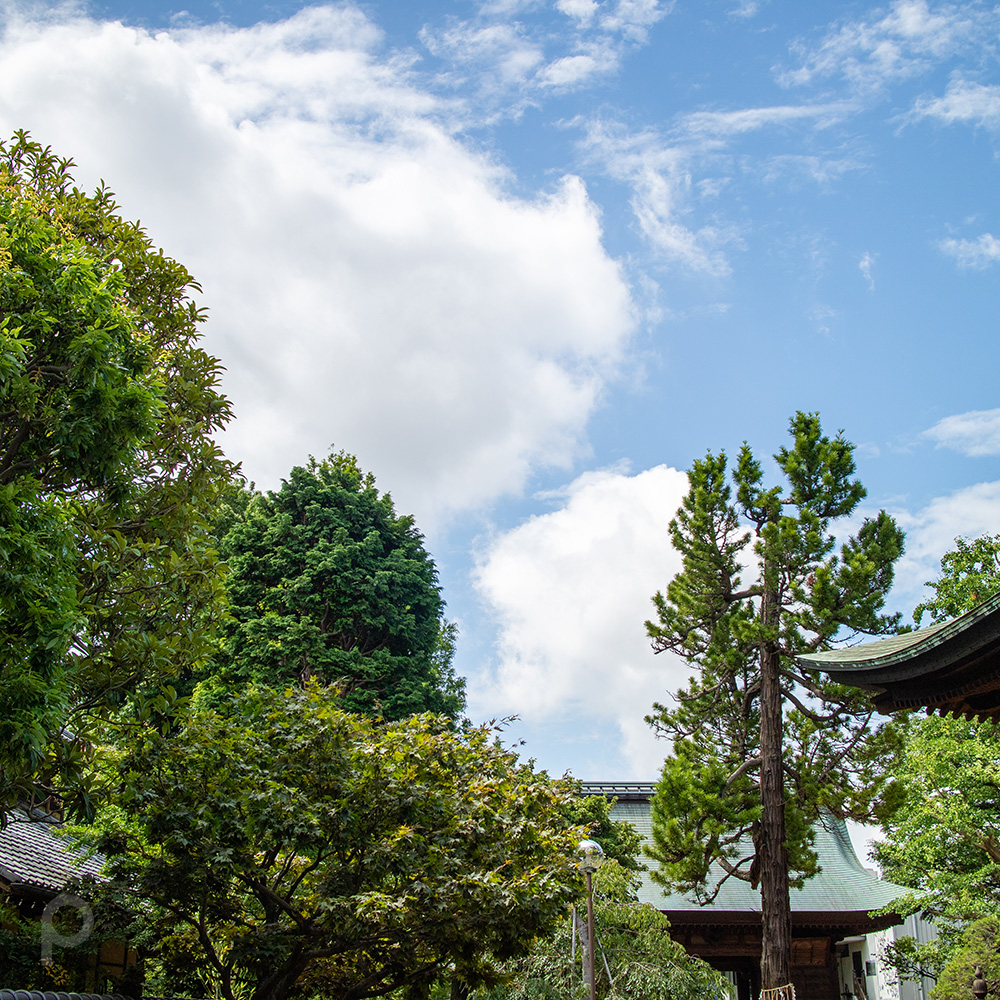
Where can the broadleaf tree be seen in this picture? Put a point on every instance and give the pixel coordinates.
(109, 581)
(637, 956)
(296, 848)
(970, 574)
(939, 812)
(761, 748)
(327, 581)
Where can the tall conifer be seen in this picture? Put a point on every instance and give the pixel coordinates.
(761, 748)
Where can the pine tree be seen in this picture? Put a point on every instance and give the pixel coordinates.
(762, 747)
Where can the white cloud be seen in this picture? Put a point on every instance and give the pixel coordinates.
(976, 433)
(893, 43)
(713, 124)
(659, 175)
(931, 532)
(570, 70)
(371, 281)
(509, 59)
(499, 53)
(865, 266)
(745, 9)
(977, 254)
(632, 18)
(571, 590)
(582, 11)
(964, 102)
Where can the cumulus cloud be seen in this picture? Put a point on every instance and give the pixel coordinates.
(571, 590)
(931, 532)
(372, 282)
(976, 433)
(582, 11)
(975, 254)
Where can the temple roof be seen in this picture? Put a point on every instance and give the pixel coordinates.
(35, 855)
(953, 666)
(842, 893)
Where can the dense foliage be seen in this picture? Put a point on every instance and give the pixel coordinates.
(327, 581)
(760, 746)
(619, 840)
(977, 949)
(940, 813)
(301, 849)
(970, 574)
(634, 946)
(109, 581)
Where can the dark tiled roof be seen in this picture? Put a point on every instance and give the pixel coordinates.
(36, 853)
(38, 995)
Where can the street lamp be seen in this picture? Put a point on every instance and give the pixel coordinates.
(591, 856)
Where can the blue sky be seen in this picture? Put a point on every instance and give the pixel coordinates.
(529, 258)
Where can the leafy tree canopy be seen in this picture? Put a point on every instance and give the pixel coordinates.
(327, 581)
(296, 848)
(634, 939)
(940, 809)
(979, 948)
(970, 574)
(619, 839)
(760, 746)
(108, 407)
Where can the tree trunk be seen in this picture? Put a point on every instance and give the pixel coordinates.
(775, 959)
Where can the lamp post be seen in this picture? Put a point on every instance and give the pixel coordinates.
(591, 856)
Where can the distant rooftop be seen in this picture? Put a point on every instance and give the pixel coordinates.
(842, 893)
(35, 854)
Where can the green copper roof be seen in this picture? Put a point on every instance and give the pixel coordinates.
(842, 886)
(919, 650)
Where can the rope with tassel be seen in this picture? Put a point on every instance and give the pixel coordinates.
(786, 992)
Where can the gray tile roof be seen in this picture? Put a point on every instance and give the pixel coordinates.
(37, 854)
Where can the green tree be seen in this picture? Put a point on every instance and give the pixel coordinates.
(327, 581)
(297, 849)
(760, 746)
(978, 949)
(939, 812)
(970, 574)
(619, 840)
(942, 832)
(109, 580)
(634, 939)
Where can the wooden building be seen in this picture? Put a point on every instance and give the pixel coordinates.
(828, 913)
(37, 863)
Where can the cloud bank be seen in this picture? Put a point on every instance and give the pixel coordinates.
(571, 590)
(372, 281)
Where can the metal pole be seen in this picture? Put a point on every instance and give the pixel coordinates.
(590, 937)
